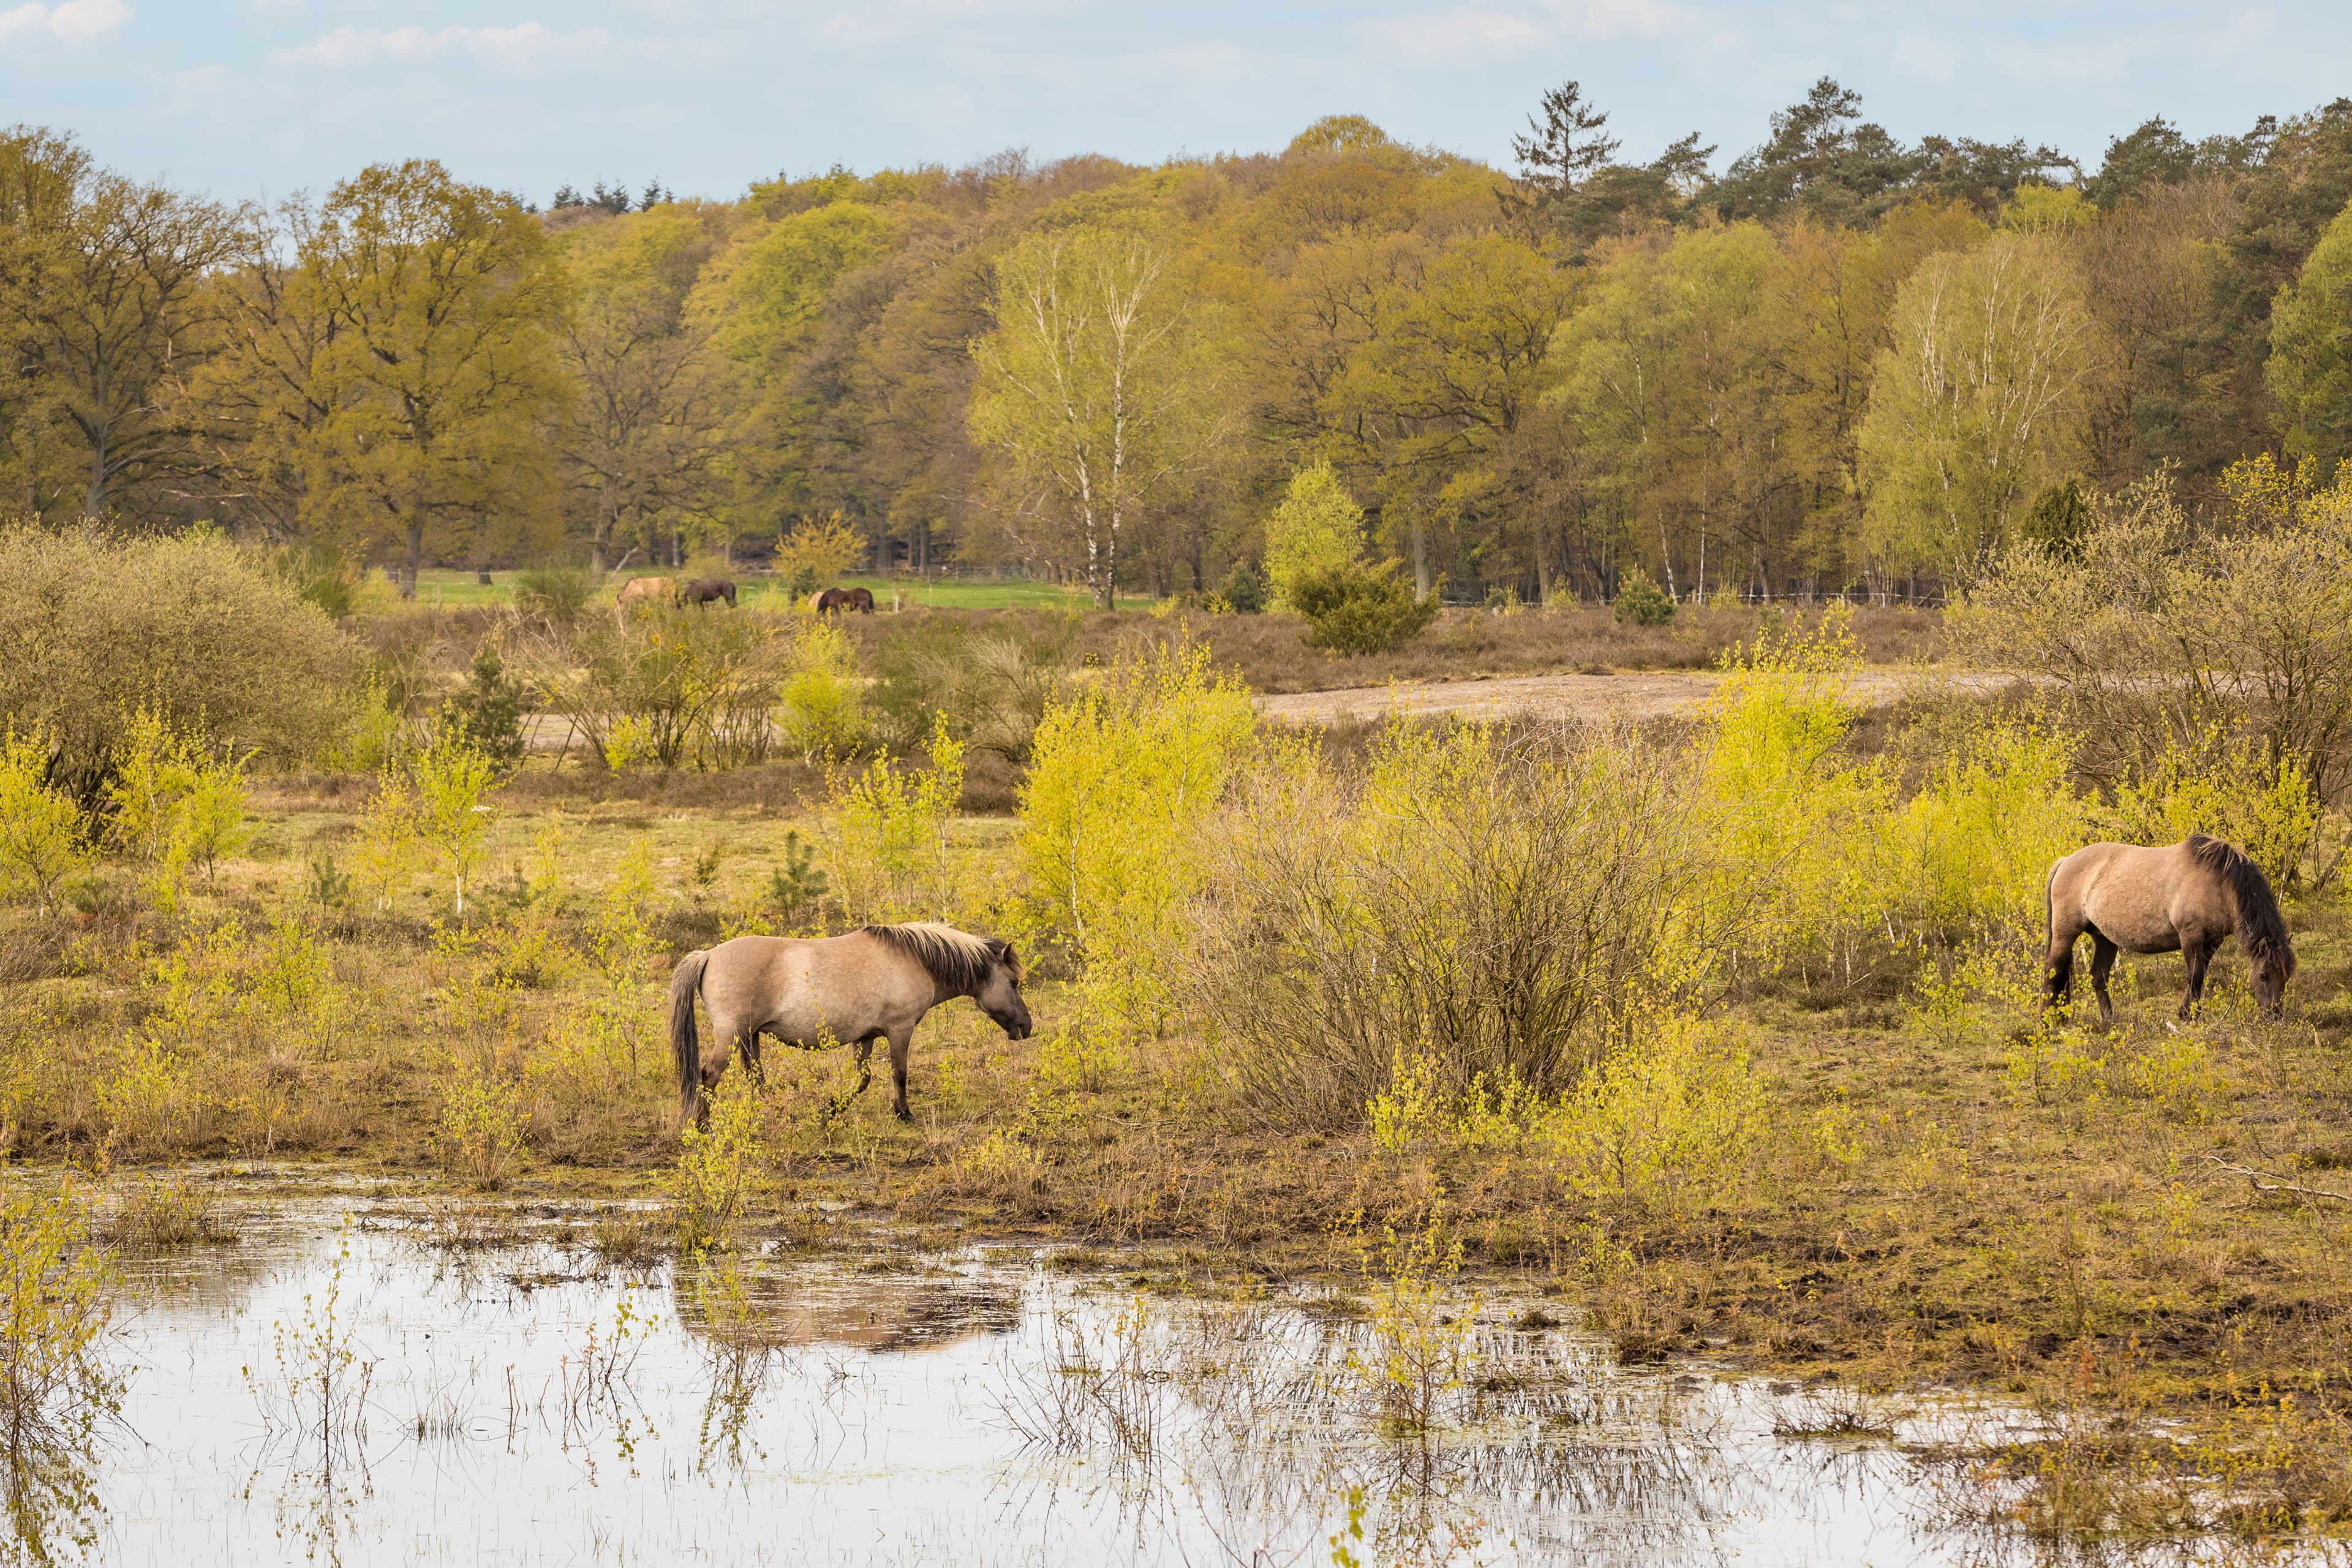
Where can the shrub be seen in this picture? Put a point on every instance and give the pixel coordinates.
(479, 1132)
(1641, 602)
(2160, 640)
(822, 715)
(451, 777)
(1123, 778)
(40, 830)
(1318, 529)
(1671, 1117)
(716, 1168)
(817, 551)
(558, 593)
(891, 860)
(487, 712)
(1243, 589)
(992, 682)
(1357, 609)
(93, 627)
(669, 686)
(1494, 908)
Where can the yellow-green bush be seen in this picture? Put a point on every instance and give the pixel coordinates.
(890, 856)
(821, 708)
(1674, 1117)
(1794, 823)
(1122, 778)
(40, 831)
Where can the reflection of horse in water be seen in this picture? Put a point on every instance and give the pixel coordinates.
(835, 599)
(645, 592)
(2188, 896)
(703, 590)
(874, 983)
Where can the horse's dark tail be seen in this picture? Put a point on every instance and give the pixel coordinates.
(683, 985)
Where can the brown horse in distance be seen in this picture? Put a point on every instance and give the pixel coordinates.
(834, 599)
(703, 590)
(2190, 895)
(874, 983)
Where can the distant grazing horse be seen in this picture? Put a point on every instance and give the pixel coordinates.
(874, 983)
(645, 592)
(703, 590)
(2189, 896)
(833, 599)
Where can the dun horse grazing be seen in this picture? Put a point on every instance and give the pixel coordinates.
(703, 590)
(874, 983)
(2189, 896)
(645, 592)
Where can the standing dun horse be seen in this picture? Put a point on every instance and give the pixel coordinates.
(874, 983)
(2189, 896)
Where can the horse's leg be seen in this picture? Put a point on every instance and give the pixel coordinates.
(900, 1043)
(2197, 951)
(865, 1068)
(2103, 963)
(751, 1064)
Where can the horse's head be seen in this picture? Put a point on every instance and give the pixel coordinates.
(1000, 995)
(2273, 967)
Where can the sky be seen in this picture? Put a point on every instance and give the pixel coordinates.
(261, 98)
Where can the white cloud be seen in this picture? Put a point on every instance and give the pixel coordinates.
(1927, 54)
(1622, 18)
(1451, 34)
(531, 46)
(74, 21)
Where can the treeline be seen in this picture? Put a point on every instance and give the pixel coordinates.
(1841, 364)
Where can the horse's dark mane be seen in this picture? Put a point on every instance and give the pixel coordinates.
(2262, 930)
(956, 958)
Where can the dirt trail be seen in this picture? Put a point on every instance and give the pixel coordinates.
(1636, 694)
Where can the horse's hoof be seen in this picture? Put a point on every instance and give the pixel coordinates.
(902, 1113)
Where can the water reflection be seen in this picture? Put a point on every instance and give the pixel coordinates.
(355, 1383)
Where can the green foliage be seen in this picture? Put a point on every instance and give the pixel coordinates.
(796, 887)
(674, 686)
(1317, 527)
(487, 712)
(172, 804)
(1123, 776)
(817, 551)
(321, 574)
(40, 830)
(1641, 602)
(2058, 519)
(1358, 609)
(991, 683)
(1976, 404)
(2310, 368)
(1243, 590)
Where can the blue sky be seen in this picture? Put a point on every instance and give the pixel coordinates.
(261, 97)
